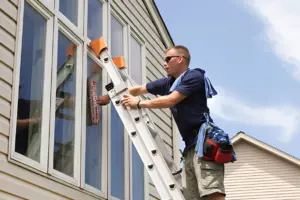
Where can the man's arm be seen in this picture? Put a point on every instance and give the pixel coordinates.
(160, 102)
(138, 90)
(135, 91)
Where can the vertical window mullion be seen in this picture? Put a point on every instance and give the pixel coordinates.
(84, 107)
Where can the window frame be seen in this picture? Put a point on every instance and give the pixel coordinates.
(113, 12)
(87, 53)
(58, 27)
(13, 155)
(104, 175)
(57, 22)
(141, 41)
(77, 29)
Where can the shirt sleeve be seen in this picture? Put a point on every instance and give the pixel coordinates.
(191, 82)
(158, 87)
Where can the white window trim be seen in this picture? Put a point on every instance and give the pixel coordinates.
(42, 166)
(141, 41)
(77, 29)
(49, 4)
(113, 12)
(103, 191)
(77, 161)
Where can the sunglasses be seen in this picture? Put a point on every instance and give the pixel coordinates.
(168, 58)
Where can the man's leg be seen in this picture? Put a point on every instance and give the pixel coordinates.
(210, 179)
(190, 188)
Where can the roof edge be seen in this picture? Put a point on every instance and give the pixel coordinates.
(241, 136)
(159, 23)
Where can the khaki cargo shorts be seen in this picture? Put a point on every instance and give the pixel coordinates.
(200, 177)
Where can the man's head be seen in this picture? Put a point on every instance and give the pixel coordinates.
(177, 60)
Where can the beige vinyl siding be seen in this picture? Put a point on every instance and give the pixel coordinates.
(5, 195)
(8, 16)
(259, 175)
(136, 14)
(23, 183)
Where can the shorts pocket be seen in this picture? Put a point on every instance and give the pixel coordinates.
(212, 175)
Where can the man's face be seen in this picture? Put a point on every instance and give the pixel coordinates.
(172, 63)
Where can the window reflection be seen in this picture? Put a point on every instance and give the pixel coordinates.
(65, 106)
(93, 130)
(94, 19)
(70, 9)
(135, 69)
(28, 131)
(117, 129)
(116, 38)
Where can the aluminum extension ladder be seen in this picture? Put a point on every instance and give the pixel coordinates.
(140, 128)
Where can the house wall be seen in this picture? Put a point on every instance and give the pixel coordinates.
(17, 182)
(258, 174)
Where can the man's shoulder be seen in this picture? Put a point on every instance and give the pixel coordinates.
(195, 73)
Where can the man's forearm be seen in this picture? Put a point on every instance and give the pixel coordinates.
(160, 102)
(138, 90)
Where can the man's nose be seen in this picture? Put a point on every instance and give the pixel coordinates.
(165, 64)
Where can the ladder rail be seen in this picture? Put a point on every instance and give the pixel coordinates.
(141, 129)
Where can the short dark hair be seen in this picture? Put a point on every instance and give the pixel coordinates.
(183, 51)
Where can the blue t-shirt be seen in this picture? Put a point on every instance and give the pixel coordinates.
(188, 113)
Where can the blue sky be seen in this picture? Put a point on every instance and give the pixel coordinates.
(250, 50)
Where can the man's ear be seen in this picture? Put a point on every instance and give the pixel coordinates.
(180, 59)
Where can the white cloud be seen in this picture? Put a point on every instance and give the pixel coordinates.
(282, 19)
(230, 108)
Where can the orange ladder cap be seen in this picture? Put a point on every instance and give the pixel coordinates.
(70, 50)
(98, 45)
(119, 62)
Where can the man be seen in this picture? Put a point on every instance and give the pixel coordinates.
(183, 91)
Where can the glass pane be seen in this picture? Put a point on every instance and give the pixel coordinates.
(28, 131)
(117, 155)
(70, 9)
(94, 19)
(93, 130)
(135, 67)
(116, 38)
(65, 106)
(117, 129)
(138, 189)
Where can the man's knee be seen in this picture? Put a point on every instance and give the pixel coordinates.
(216, 196)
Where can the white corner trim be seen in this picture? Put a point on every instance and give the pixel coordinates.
(158, 22)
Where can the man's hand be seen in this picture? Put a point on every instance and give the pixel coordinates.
(129, 101)
(103, 100)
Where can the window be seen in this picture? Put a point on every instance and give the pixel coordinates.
(136, 73)
(93, 134)
(117, 37)
(31, 120)
(95, 14)
(117, 141)
(64, 133)
(54, 130)
(28, 133)
(70, 9)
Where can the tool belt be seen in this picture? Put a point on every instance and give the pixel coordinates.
(220, 152)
